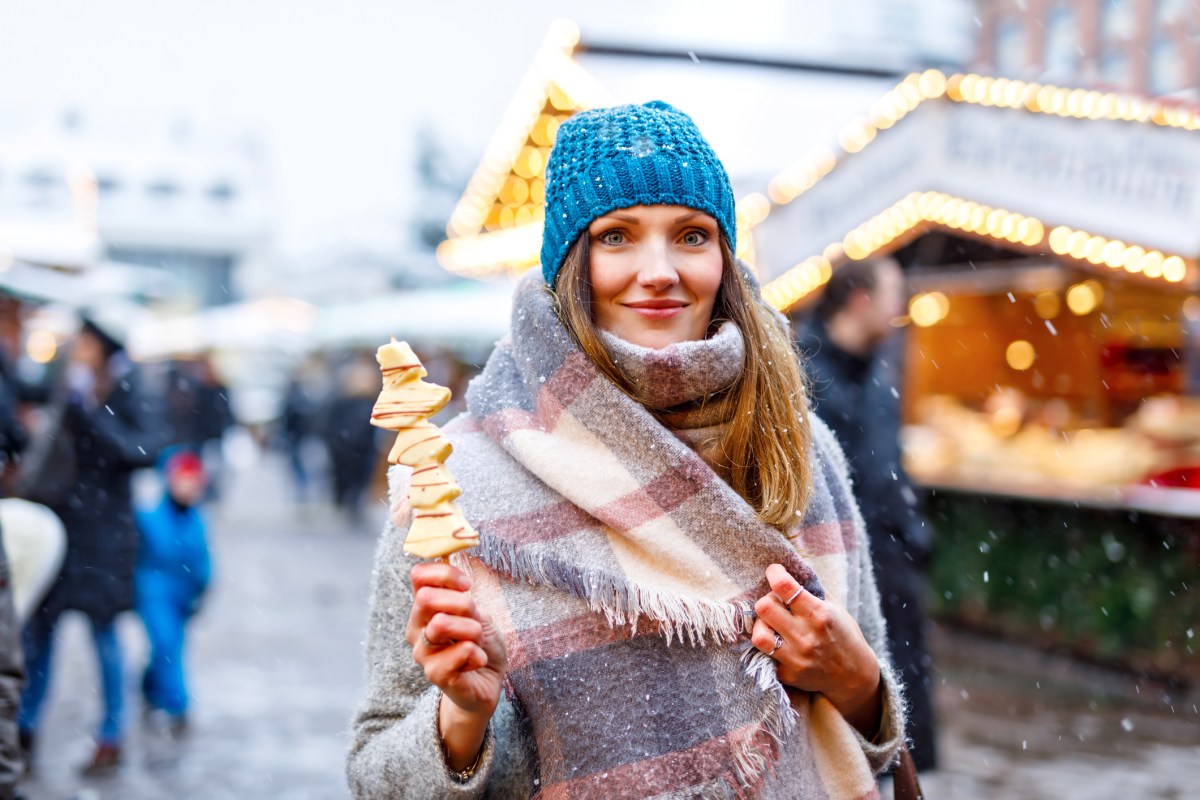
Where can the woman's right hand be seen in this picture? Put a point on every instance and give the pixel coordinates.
(462, 653)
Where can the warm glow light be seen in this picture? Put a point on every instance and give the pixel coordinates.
(927, 310)
(1133, 258)
(1174, 269)
(1082, 298)
(1113, 254)
(932, 83)
(41, 347)
(1060, 240)
(753, 209)
(1093, 250)
(1191, 308)
(1152, 264)
(1047, 305)
(1020, 355)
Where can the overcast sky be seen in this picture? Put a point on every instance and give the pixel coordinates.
(336, 88)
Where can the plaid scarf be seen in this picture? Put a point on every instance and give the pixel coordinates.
(623, 572)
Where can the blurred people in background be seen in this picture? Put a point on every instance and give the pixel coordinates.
(855, 389)
(299, 423)
(12, 675)
(349, 435)
(112, 429)
(200, 413)
(172, 575)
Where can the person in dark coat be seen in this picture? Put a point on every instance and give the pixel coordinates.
(350, 437)
(200, 413)
(114, 431)
(851, 359)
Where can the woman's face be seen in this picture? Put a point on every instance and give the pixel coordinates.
(88, 351)
(655, 272)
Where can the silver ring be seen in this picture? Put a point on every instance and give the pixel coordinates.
(425, 640)
(792, 599)
(778, 644)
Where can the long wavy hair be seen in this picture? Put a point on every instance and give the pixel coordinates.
(763, 451)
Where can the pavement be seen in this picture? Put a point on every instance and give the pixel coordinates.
(276, 666)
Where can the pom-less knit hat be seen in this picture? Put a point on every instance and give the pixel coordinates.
(624, 156)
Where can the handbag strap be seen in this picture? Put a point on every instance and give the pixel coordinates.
(905, 785)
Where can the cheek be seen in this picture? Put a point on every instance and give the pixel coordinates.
(706, 279)
(608, 278)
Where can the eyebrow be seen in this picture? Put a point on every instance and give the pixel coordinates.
(634, 220)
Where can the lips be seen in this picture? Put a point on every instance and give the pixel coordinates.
(657, 309)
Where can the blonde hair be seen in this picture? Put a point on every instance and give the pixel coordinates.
(763, 452)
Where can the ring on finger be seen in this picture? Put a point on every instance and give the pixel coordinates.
(792, 599)
(425, 640)
(778, 644)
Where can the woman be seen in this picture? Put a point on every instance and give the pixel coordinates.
(111, 427)
(672, 596)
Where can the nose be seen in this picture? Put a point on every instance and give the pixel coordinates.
(656, 270)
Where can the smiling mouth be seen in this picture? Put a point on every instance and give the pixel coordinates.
(656, 304)
(657, 309)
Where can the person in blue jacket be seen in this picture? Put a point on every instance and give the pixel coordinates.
(172, 574)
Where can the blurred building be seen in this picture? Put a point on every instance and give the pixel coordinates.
(178, 205)
(1151, 47)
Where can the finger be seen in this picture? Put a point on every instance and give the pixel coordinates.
(431, 600)
(446, 629)
(437, 573)
(771, 610)
(445, 665)
(763, 636)
(782, 582)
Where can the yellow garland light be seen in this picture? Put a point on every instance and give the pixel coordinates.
(937, 208)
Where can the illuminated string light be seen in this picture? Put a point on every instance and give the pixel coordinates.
(1115, 255)
(937, 208)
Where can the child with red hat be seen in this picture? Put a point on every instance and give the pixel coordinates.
(172, 575)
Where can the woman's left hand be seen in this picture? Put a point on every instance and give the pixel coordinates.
(820, 649)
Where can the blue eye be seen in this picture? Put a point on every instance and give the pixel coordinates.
(695, 238)
(612, 237)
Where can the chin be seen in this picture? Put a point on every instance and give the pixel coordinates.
(655, 340)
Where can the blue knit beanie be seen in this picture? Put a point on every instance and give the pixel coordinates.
(624, 156)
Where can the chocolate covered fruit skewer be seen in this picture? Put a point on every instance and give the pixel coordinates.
(405, 405)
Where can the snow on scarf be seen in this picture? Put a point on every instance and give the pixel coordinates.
(623, 572)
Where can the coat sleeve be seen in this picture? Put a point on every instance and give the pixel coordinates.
(12, 674)
(882, 749)
(396, 752)
(128, 428)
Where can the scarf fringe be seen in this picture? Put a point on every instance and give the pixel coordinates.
(757, 752)
(684, 618)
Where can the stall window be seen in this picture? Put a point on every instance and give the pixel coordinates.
(1114, 67)
(1167, 68)
(1168, 12)
(1116, 21)
(1010, 47)
(1062, 42)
